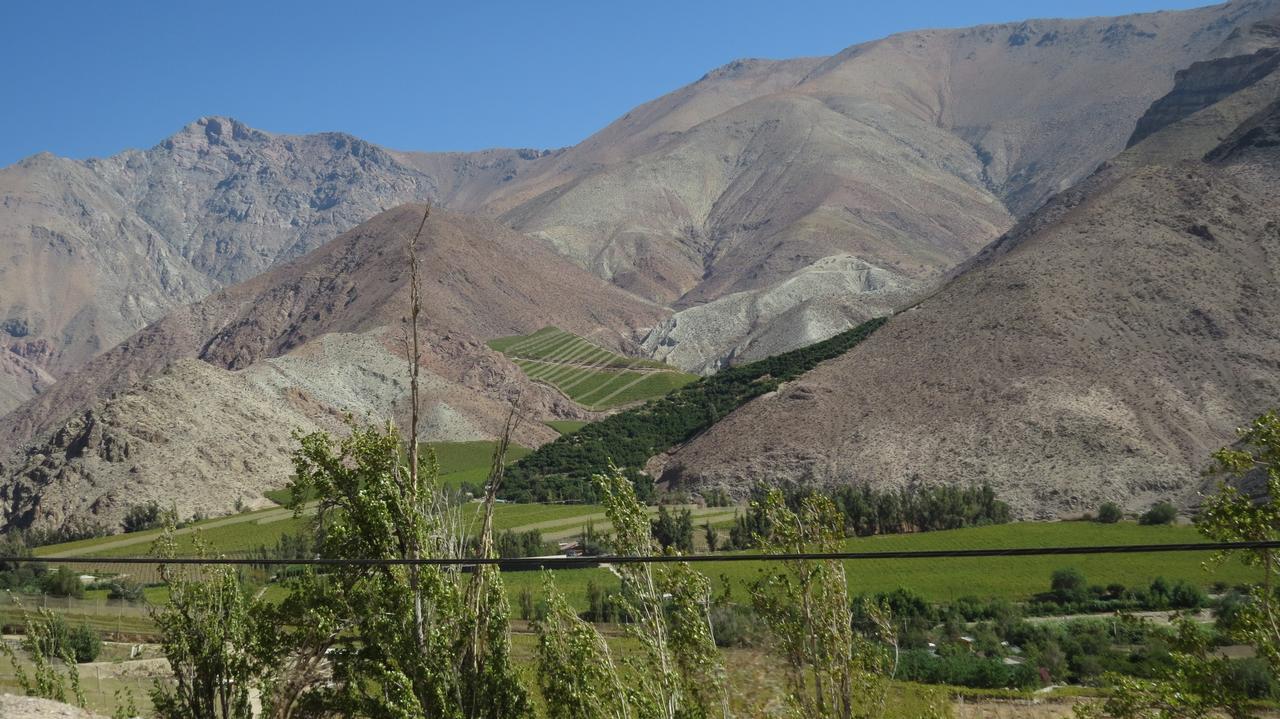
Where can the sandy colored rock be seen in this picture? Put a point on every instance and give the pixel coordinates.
(908, 153)
(821, 300)
(16, 707)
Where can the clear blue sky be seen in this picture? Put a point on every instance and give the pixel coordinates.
(91, 78)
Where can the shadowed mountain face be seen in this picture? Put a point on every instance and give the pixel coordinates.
(197, 408)
(1099, 351)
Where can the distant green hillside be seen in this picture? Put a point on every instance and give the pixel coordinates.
(561, 470)
(587, 373)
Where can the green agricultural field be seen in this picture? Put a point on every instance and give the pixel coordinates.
(1014, 578)
(586, 373)
(240, 533)
(468, 462)
(566, 426)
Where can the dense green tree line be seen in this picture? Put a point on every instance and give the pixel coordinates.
(867, 511)
(562, 470)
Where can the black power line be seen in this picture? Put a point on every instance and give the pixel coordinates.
(525, 563)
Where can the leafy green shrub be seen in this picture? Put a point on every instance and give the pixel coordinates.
(125, 590)
(737, 625)
(18, 574)
(60, 639)
(1253, 678)
(84, 643)
(1160, 513)
(62, 583)
(673, 530)
(965, 670)
(1110, 513)
(142, 517)
(1068, 585)
(1184, 595)
(511, 544)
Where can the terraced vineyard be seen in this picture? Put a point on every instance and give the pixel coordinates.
(587, 373)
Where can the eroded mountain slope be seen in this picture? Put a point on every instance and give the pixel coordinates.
(300, 345)
(1100, 351)
(907, 153)
(91, 251)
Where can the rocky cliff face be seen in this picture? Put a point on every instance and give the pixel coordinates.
(1203, 84)
(824, 299)
(907, 153)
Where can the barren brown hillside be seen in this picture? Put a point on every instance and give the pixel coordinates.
(1098, 352)
(208, 395)
(907, 153)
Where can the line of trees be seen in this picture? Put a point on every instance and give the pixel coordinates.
(866, 511)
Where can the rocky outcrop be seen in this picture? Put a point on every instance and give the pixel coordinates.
(16, 707)
(1203, 84)
(91, 251)
(821, 300)
(1259, 134)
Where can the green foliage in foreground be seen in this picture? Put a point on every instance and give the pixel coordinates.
(44, 640)
(561, 470)
(1201, 682)
(402, 640)
(210, 638)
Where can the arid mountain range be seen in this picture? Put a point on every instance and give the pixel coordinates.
(908, 154)
(1099, 351)
(198, 408)
(189, 301)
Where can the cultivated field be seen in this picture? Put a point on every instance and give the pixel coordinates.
(587, 373)
(1014, 578)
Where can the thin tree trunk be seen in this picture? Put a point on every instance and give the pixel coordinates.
(414, 357)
